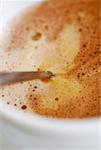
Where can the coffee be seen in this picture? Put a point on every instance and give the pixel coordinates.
(62, 37)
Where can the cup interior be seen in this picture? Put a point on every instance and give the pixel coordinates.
(32, 121)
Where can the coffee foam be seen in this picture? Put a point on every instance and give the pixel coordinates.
(62, 37)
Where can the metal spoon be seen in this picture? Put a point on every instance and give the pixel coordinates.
(13, 77)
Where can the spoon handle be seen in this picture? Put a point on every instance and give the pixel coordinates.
(13, 77)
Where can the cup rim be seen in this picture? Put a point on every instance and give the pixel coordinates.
(32, 121)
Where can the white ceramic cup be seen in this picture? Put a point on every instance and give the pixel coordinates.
(28, 131)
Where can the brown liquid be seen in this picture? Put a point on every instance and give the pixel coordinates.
(63, 37)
